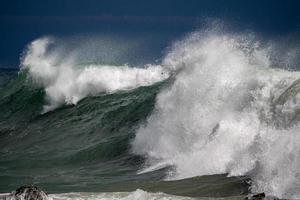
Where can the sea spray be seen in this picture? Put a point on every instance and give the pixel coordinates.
(220, 116)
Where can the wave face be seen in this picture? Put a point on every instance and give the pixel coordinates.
(66, 83)
(73, 148)
(227, 111)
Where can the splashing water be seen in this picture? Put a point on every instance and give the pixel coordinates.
(228, 112)
(226, 109)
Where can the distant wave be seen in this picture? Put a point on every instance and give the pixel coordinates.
(67, 83)
(228, 112)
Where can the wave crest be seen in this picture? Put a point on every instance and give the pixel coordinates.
(67, 83)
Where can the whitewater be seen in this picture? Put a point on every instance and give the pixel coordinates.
(228, 111)
(225, 108)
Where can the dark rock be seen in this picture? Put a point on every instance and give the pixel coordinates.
(259, 196)
(29, 193)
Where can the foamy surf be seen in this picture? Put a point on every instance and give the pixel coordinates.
(135, 195)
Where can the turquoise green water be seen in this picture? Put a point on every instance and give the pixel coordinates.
(86, 147)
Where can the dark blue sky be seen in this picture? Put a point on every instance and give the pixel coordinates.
(22, 21)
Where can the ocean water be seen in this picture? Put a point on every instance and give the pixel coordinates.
(217, 117)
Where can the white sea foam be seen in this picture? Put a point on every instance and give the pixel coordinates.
(135, 195)
(67, 83)
(220, 116)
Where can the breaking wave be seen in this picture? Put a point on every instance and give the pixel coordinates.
(227, 111)
(217, 104)
(67, 83)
